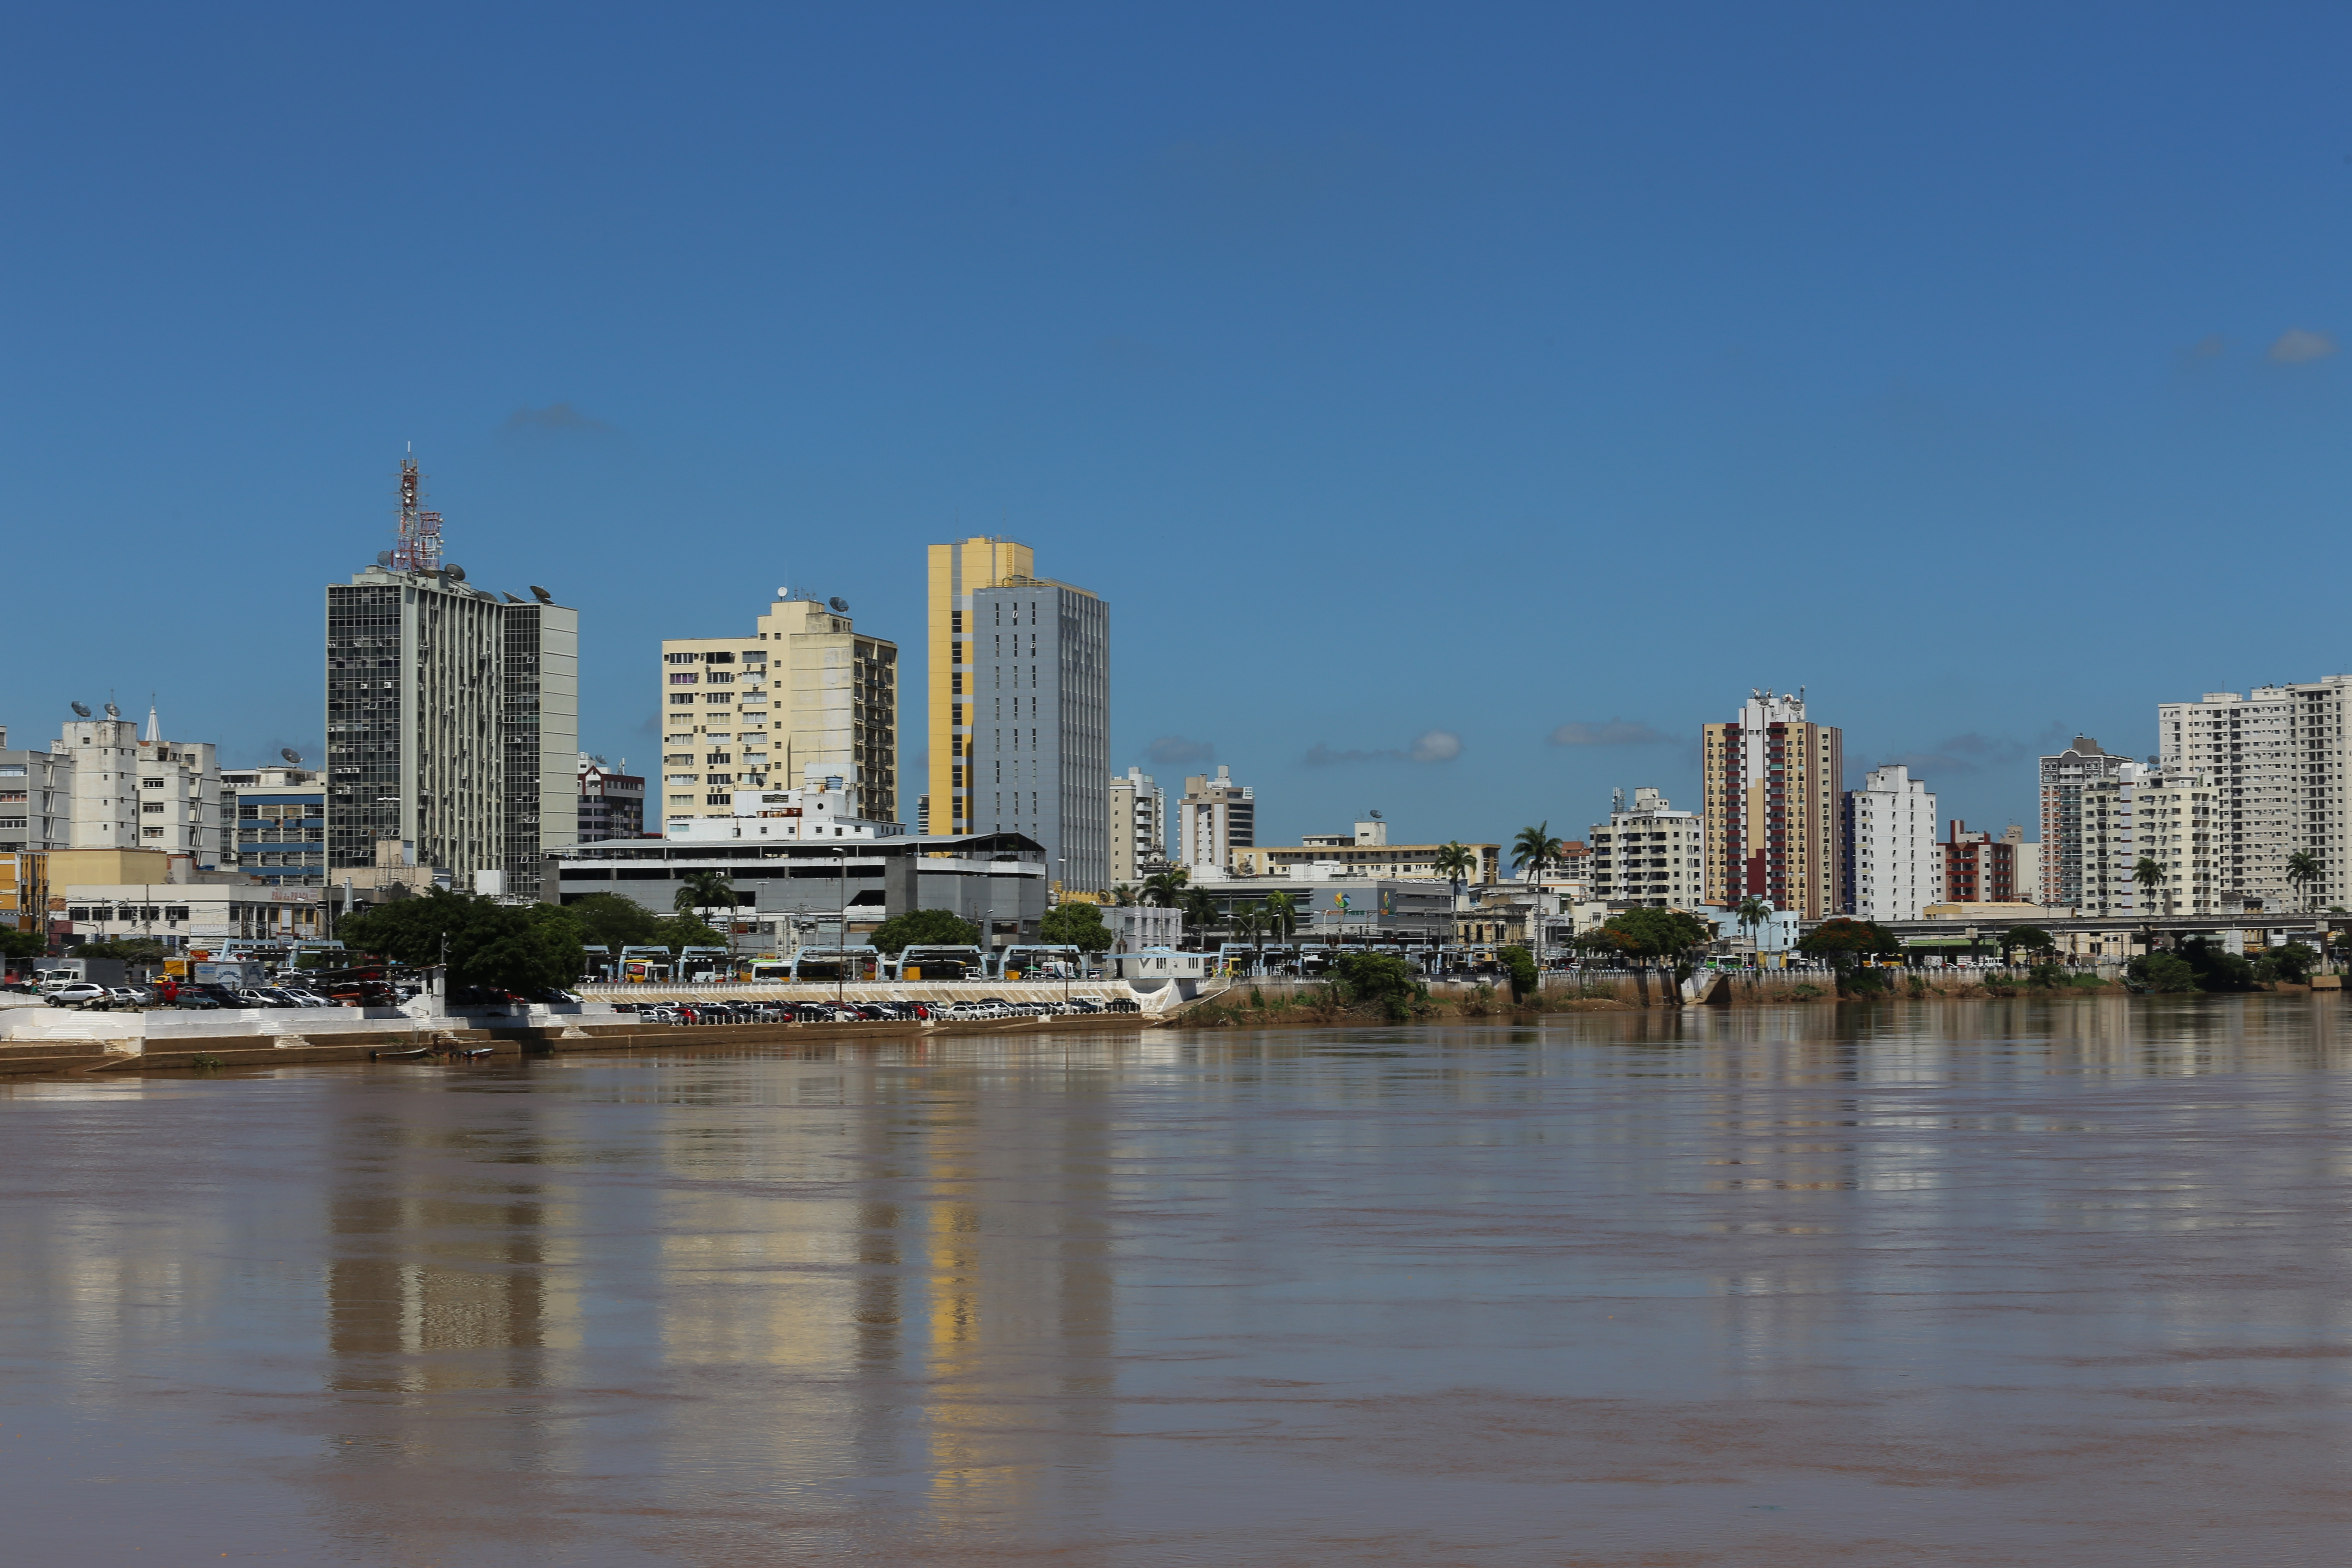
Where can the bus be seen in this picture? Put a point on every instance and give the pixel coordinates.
(1038, 961)
(857, 962)
(938, 960)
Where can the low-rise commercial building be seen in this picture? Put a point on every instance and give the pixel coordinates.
(817, 881)
(1366, 850)
(194, 915)
(1331, 905)
(1134, 927)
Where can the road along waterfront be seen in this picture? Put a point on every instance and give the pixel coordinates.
(1953, 1282)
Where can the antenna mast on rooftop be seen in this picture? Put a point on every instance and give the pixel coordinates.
(419, 549)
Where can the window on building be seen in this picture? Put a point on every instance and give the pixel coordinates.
(679, 657)
(681, 697)
(687, 678)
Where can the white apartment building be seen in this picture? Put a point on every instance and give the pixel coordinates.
(1651, 855)
(1139, 826)
(2064, 778)
(805, 692)
(2279, 764)
(1216, 817)
(36, 799)
(135, 792)
(1894, 863)
(2177, 820)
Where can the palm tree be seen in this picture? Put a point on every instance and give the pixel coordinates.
(1752, 914)
(1249, 921)
(1200, 913)
(2304, 869)
(1165, 889)
(1532, 852)
(2149, 875)
(1455, 861)
(704, 891)
(1281, 914)
(1123, 895)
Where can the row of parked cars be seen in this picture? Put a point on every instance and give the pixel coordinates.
(753, 1012)
(90, 995)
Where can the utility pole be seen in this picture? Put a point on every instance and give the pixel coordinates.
(841, 970)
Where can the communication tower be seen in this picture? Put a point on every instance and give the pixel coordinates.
(419, 549)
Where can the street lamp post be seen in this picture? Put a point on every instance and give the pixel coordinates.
(841, 968)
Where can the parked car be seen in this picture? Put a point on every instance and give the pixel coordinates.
(79, 994)
(195, 1001)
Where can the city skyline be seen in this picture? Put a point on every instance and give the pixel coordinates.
(1311, 309)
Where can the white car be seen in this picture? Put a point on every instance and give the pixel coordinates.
(79, 994)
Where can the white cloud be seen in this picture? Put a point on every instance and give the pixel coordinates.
(2296, 346)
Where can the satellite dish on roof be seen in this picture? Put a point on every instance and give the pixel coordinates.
(113, 712)
(509, 598)
(456, 573)
(840, 603)
(541, 595)
(384, 559)
(293, 758)
(82, 709)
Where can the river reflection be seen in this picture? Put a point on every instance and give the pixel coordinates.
(1999, 1282)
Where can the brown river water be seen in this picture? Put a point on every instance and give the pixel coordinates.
(2011, 1282)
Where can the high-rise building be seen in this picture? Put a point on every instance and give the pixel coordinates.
(955, 572)
(1139, 827)
(1651, 856)
(2135, 811)
(2279, 762)
(1037, 733)
(805, 694)
(1773, 827)
(1894, 867)
(2064, 778)
(453, 715)
(131, 792)
(1216, 817)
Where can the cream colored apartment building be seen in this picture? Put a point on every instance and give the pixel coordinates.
(955, 572)
(1774, 779)
(1367, 850)
(804, 694)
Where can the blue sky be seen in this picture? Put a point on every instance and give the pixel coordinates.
(1457, 406)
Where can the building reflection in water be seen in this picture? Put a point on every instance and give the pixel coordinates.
(1026, 1298)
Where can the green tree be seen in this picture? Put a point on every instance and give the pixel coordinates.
(129, 948)
(488, 943)
(1843, 943)
(1123, 895)
(613, 922)
(2291, 963)
(1521, 966)
(2161, 972)
(18, 943)
(2026, 939)
(678, 932)
(1381, 978)
(2304, 869)
(932, 928)
(1165, 889)
(2216, 967)
(1752, 914)
(1076, 923)
(2150, 874)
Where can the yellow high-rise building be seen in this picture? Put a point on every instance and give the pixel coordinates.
(957, 571)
